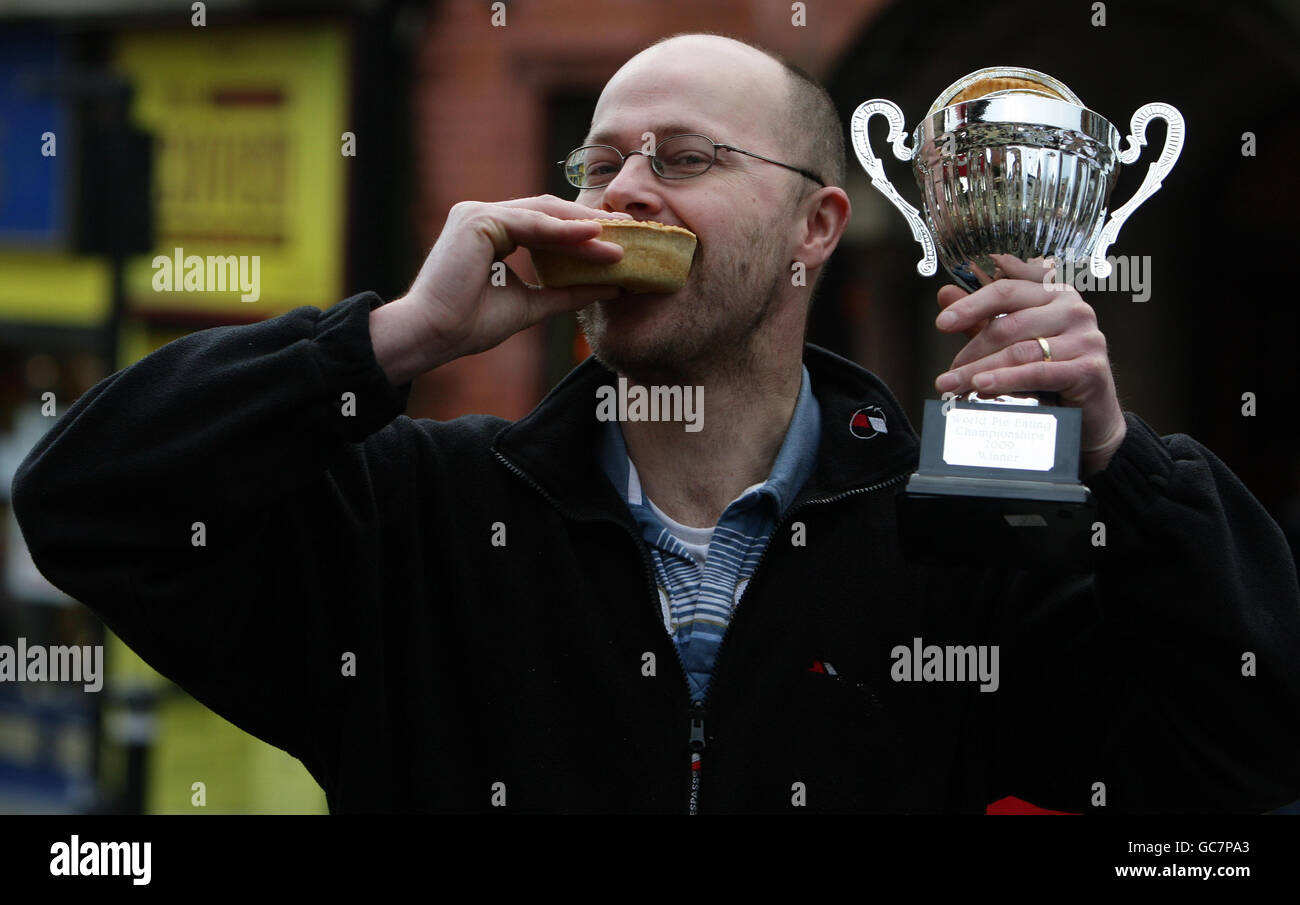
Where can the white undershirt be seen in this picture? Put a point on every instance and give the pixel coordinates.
(695, 540)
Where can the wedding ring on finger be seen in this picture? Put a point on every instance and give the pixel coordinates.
(1047, 350)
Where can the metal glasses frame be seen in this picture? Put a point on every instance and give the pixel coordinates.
(655, 165)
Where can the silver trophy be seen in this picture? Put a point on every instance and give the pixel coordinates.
(1009, 162)
(1023, 169)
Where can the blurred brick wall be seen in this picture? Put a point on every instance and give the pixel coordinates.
(480, 95)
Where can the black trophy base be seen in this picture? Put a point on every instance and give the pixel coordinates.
(955, 510)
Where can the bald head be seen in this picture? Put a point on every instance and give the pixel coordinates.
(805, 125)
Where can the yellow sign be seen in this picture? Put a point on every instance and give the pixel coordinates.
(48, 288)
(249, 178)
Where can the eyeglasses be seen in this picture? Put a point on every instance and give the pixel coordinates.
(676, 157)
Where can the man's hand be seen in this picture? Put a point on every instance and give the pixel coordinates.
(1003, 355)
(453, 308)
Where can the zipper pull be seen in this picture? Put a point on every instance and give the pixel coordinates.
(697, 727)
(696, 746)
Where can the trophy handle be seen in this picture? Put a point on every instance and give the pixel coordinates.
(1155, 173)
(928, 264)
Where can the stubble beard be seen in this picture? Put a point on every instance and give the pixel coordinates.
(715, 324)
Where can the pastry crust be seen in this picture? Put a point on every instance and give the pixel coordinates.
(656, 258)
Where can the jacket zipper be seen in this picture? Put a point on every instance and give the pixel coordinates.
(699, 709)
(696, 743)
(697, 751)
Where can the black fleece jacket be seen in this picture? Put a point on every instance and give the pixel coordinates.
(537, 675)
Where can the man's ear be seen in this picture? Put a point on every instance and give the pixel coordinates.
(825, 215)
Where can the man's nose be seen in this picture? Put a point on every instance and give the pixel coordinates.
(635, 187)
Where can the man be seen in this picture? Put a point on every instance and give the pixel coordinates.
(477, 614)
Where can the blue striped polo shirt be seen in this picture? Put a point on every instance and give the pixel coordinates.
(702, 572)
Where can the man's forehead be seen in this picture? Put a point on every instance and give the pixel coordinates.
(631, 127)
(689, 85)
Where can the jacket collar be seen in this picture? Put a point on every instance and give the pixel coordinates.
(556, 445)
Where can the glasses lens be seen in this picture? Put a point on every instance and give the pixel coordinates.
(683, 156)
(592, 166)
